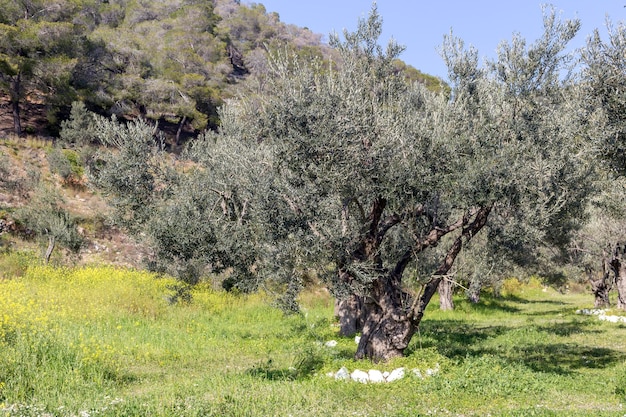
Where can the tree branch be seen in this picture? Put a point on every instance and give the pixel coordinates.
(469, 231)
(378, 207)
(385, 225)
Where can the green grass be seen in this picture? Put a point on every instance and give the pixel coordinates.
(107, 342)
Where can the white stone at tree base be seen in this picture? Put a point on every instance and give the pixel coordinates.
(375, 375)
(360, 376)
(591, 311)
(396, 374)
(602, 316)
(612, 319)
(343, 374)
(431, 372)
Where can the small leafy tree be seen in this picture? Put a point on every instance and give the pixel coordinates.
(66, 163)
(78, 131)
(193, 223)
(129, 169)
(47, 218)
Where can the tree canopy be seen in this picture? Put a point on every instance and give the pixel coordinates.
(38, 50)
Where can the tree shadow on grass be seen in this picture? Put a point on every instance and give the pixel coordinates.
(459, 340)
(305, 365)
(489, 305)
(453, 338)
(272, 374)
(564, 358)
(570, 328)
(520, 300)
(554, 312)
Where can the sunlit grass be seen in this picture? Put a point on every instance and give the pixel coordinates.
(109, 342)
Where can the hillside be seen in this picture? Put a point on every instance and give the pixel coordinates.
(24, 170)
(172, 62)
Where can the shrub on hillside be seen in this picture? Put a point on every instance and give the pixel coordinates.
(66, 163)
(78, 130)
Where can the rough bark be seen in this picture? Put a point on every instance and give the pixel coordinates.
(391, 318)
(600, 285)
(618, 265)
(350, 311)
(445, 289)
(388, 329)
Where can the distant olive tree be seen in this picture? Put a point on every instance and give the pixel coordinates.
(47, 218)
(604, 77)
(595, 245)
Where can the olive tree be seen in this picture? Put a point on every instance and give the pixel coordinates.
(46, 217)
(368, 173)
(353, 172)
(604, 77)
(594, 248)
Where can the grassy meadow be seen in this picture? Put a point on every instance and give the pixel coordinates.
(101, 341)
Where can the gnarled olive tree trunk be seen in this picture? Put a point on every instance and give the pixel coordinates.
(601, 284)
(392, 315)
(618, 265)
(446, 289)
(388, 327)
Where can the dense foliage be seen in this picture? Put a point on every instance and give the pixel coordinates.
(599, 248)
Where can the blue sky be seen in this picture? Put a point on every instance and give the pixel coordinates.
(420, 25)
